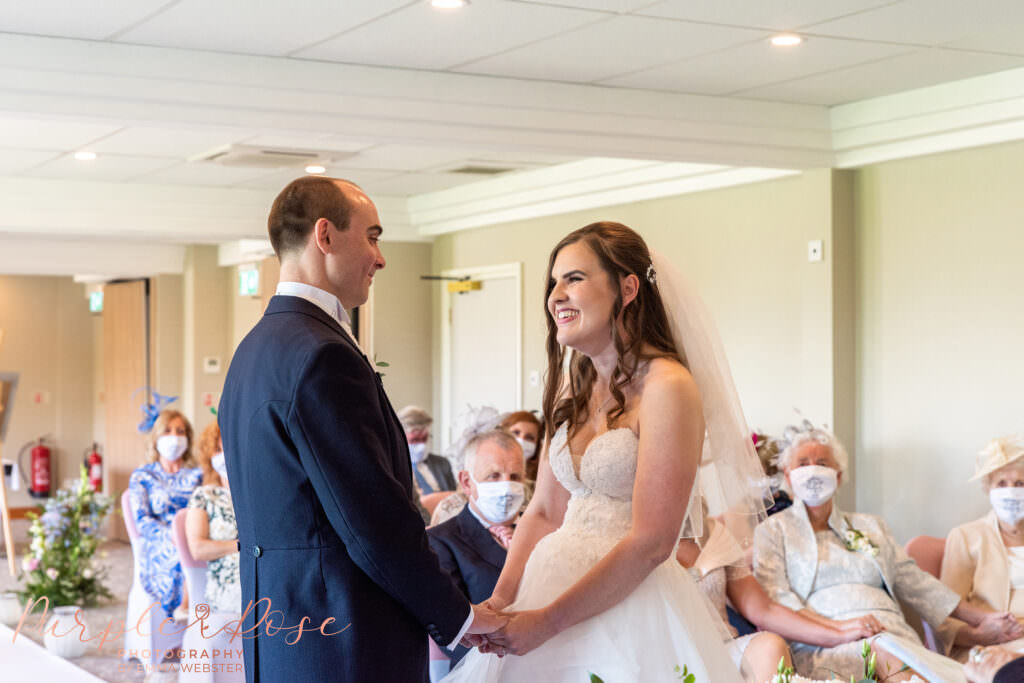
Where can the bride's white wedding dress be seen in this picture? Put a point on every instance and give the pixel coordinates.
(665, 622)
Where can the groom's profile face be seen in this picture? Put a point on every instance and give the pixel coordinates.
(352, 254)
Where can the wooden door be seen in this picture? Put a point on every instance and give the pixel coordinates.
(125, 384)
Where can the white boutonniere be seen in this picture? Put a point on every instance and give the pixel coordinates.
(857, 542)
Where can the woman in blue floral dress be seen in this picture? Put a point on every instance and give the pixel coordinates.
(157, 491)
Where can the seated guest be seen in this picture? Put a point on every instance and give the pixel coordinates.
(431, 473)
(210, 526)
(157, 490)
(472, 545)
(994, 665)
(824, 563)
(719, 567)
(768, 450)
(984, 559)
(526, 429)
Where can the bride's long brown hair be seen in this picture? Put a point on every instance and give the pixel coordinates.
(621, 252)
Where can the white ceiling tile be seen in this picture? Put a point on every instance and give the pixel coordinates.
(13, 161)
(423, 38)
(782, 16)
(619, 45)
(407, 157)
(617, 6)
(73, 18)
(417, 183)
(263, 28)
(105, 167)
(61, 136)
(926, 22)
(179, 143)
(202, 173)
(924, 67)
(756, 64)
(276, 180)
(324, 143)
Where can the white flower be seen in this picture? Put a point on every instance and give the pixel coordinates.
(52, 573)
(87, 573)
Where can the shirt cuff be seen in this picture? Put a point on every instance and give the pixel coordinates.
(462, 631)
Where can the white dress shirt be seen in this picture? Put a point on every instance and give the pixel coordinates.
(326, 301)
(332, 307)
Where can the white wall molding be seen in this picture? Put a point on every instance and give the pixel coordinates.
(588, 184)
(967, 113)
(89, 260)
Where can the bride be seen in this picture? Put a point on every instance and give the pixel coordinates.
(591, 582)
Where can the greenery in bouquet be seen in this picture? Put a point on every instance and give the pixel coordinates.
(59, 565)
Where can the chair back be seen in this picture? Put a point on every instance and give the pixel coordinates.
(927, 551)
(431, 500)
(129, 516)
(194, 570)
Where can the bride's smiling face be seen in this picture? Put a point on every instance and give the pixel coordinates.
(581, 299)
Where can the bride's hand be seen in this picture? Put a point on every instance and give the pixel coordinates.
(525, 631)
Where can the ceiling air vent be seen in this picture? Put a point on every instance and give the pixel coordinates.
(265, 157)
(478, 169)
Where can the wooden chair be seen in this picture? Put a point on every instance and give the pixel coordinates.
(927, 551)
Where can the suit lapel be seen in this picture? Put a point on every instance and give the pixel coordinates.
(482, 541)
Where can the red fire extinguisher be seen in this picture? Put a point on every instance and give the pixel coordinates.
(94, 464)
(39, 484)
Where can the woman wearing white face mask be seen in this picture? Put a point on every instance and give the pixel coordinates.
(984, 559)
(526, 429)
(823, 562)
(210, 526)
(157, 491)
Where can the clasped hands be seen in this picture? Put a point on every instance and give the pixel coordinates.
(496, 631)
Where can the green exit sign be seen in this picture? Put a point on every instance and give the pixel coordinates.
(96, 301)
(249, 282)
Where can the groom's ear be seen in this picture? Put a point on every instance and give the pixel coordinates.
(628, 288)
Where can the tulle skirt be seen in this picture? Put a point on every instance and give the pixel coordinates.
(664, 623)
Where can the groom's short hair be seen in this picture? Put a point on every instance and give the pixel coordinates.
(300, 205)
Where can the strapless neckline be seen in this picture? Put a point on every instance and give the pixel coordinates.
(577, 463)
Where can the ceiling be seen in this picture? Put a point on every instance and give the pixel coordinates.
(397, 96)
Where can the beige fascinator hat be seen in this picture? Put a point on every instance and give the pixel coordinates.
(998, 454)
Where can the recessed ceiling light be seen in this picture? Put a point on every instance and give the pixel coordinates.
(315, 169)
(448, 4)
(85, 156)
(786, 40)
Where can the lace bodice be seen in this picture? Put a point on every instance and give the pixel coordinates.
(601, 500)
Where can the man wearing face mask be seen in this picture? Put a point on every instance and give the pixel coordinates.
(472, 545)
(432, 473)
(821, 561)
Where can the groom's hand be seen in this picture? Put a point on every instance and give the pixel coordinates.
(525, 631)
(485, 620)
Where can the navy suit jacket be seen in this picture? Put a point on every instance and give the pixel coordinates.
(1010, 673)
(471, 556)
(442, 471)
(322, 489)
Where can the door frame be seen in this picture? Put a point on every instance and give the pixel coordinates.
(482, 273)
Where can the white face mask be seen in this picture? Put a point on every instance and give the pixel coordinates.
(218, 465)
(171, 447)
(1008, 502)
(417, 452)
(813, 484)
(529, 448)
(499, 501)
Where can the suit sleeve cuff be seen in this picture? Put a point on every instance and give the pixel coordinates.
(462, 631)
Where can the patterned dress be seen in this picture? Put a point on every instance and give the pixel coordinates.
(156, 495)
(223, 588)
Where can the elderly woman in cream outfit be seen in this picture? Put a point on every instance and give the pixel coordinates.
(822, 562)
(984, 559)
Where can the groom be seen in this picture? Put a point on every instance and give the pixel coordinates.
(320, 474)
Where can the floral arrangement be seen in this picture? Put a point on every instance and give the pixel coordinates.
(64, 539)
(857, 542)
